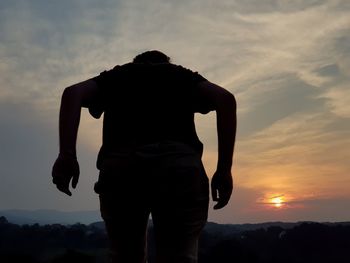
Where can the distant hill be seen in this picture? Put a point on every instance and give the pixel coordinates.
(93, 218)
(47, 216)
(50, 216)
(238, 228)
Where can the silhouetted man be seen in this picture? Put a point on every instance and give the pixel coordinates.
(150, 159)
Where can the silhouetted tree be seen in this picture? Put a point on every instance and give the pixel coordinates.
(304, 243)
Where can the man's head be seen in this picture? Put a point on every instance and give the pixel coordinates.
(153, 56)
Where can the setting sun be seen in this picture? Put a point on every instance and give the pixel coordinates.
(277, 201)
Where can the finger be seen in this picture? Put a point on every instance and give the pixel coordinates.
(64, 189)
(224, 197)
(214, 193)
(220, 204)
(75, 181)
(60, 179)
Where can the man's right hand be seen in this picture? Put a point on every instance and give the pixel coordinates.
(221, 188)
(65, 169)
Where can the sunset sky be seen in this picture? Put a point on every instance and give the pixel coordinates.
(286, 61)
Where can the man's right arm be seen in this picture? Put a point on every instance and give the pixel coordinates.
(224, 104)
(66, 167)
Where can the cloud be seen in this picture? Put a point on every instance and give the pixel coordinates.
(338, 101)
(277, 98)
(328, 70)
(287, 62)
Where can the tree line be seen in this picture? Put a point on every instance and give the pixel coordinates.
(303, 243)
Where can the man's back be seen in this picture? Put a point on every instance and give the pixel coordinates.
(146, 103)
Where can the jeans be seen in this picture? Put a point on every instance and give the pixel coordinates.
(166, 180)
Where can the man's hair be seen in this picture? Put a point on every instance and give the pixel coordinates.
(153, 57)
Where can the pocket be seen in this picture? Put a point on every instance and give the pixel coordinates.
(113, 174)
(185, 179)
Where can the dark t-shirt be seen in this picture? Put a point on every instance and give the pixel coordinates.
(148, 103)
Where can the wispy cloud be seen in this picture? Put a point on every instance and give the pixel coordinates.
(338, 100)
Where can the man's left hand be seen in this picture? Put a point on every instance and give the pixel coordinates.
(221, 188)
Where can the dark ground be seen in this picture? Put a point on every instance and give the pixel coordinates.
(306, 242)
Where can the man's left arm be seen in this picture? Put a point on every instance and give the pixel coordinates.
(66, 167)
(224, 103)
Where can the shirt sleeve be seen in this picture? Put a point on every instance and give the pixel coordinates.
(106, 77)
(103, 81)
(199, 103)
